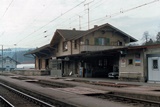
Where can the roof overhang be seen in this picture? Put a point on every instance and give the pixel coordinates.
(107, 25)
(44, 51)
(107, 53)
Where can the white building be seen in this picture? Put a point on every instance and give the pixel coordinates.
(8, 64)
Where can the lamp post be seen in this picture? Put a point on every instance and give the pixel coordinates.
(15, 53)
(2, 57)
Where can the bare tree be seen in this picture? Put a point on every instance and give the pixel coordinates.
(158, 37)
(146, 36)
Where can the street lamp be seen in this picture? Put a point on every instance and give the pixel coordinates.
(15, 53)
(2, 57)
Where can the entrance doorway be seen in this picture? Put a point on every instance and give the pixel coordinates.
(153, 68)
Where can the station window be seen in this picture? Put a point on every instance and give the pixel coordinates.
(75, 44)
(102, 41)
(119, 43)
(155, 64)
(65, 47)
(130, 61)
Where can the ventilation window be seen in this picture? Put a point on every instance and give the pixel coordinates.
(130, 61)
(155, 64)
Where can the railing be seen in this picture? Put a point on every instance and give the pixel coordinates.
(84, 48)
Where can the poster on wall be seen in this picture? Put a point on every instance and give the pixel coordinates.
(123, 62)
(137, 60)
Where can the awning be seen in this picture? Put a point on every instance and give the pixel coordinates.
(44, 51)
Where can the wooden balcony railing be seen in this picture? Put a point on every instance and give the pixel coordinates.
(84, 48)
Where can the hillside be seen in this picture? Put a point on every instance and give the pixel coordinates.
(18, 54)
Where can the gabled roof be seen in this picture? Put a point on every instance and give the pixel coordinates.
(37, 50)
(76, 34)
(105, 25)
(68, 34)
(7, 57)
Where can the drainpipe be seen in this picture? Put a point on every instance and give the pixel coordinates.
(79, 42)
(145, 62)
(71, 47)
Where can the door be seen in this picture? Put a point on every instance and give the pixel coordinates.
(154, 68)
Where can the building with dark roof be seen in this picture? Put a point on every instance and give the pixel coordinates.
(82, 53)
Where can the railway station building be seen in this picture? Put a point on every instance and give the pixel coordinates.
(97, 52)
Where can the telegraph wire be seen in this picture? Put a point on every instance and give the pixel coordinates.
(112, 15)
(62, 23)
(33, 20)
(120, 12)
(51, 21)
(7, 9)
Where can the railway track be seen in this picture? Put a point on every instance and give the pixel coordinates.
(128, 100)
(20, 99)
(4, 102)
(112, 96)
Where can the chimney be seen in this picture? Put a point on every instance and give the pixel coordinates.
(95, 26)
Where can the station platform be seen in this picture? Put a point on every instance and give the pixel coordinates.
(76, 95)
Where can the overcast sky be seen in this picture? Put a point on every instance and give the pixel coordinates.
(32, 23)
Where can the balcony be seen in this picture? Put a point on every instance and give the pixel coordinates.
(85, 48)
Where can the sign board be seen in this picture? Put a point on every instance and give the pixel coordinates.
(137, 60)
(123, 62)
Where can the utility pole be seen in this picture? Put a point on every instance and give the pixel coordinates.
(88, 13)
(79, 22)
(15, 53)
(2, 58)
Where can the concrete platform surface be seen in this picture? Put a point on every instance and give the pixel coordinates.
(71, 96)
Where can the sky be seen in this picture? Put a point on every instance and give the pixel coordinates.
(32, 23)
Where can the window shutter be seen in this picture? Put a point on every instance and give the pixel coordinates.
(107, 41)
(96, 41)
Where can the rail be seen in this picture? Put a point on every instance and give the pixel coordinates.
(37, 101)
(6, 102)
(126, 99)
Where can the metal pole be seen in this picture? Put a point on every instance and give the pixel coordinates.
(2, 58)
(79, 22)
(88, 13)
(15, 53)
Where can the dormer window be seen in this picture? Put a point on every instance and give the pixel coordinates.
(65, 46)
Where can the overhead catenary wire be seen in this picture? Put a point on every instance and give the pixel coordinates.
(51, 21)
(34, 20)
(120, 12)
(62, 23)
(6, 10)
(106, 17)
(5, 14)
